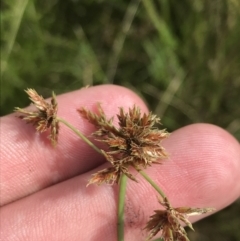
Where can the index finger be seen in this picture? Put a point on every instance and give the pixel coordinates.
(28, 161)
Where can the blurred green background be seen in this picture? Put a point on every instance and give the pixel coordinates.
(181, 57)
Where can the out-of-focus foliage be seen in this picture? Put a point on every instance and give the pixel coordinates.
(182, 57)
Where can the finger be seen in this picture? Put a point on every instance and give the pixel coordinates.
(202, 171)
(28, 161)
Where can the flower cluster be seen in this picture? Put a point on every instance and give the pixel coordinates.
(169, 221)
(135, 143)
(45, 117)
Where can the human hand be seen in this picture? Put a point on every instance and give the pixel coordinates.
(43, 189)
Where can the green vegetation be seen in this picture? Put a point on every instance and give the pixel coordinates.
(182, 57)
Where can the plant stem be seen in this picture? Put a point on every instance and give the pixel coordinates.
(153, 184)
(123, 181)
(18, 9)
(84, 138)
(122, 191)
(120, 39)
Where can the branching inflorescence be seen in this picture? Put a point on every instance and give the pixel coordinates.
(134, 144)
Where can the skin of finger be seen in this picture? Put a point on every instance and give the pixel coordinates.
(202, 171)
(28, 161)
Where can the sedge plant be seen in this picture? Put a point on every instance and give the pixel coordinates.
(134, 145)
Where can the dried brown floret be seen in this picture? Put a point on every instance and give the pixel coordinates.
(45, 117)
(135, 143)
(169, 222)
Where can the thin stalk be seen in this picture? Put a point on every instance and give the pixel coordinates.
(122, 191)
(123, 181)
(84, 138)
(18, 9)
(120, 39)
(159, 23)
(153, 184)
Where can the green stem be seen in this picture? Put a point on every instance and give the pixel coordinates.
(153, 184)
(123, 181)
(84, 138)
(122, 191)
(18, 9)
(120, 39)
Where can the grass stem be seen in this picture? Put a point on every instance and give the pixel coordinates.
(122, 191)
(84, 138)
(153, 184)
(18, 9)
(120, 39)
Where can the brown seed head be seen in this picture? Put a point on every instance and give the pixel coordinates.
(169, 221)
(135, 143)
(45, 117)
